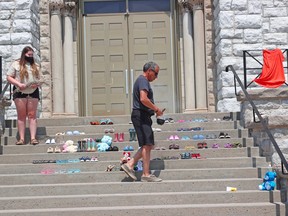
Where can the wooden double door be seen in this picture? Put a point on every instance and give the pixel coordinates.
(116, 48)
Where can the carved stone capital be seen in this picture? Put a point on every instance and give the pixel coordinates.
(191, 4)
(197, 4)
(69, 8)
(56, 6)
(185, 4)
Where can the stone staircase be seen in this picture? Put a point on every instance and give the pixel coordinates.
(189, 187)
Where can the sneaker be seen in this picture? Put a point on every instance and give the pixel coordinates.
(129, 171)
(151, 178)
(52, 141)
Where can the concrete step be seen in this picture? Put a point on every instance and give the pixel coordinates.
(116, 155)
(163, 135)
(137, 199)
(42, 147)
(155, 165)
(189, 187)
(51, 189)
(226, 209)
(90, 129)
(119, 176)
(123, 119)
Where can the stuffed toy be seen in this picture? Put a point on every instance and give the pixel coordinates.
(107, 139)
(101, 147)
(69, 147)
(268, 181)
(126, 157)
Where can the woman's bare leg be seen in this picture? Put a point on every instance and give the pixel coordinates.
(31, 112)
(21, 105)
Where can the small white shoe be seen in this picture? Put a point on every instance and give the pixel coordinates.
(52, 141)
(48, 141)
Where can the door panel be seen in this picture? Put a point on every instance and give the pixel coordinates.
(107, 62)
(150, 40)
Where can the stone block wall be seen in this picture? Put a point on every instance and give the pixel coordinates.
(245, 25)
(46, 57)
(272, 104)
(19, 27)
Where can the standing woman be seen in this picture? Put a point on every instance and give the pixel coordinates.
(24, 74)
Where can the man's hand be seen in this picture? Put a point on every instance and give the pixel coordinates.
(159, 112)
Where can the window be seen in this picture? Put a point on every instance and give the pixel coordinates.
(119, 6)
(96, 7)
(148, 5)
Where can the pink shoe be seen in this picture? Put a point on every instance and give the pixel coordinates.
(121, 137)
(116, 137)
(171, 137)
(176, 137)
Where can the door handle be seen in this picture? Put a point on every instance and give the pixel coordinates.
(126, 82)
(132, 79)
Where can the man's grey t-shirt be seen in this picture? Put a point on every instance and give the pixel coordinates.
(141, 83)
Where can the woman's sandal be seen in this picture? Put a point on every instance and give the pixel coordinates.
(34, 142)
(20, 142)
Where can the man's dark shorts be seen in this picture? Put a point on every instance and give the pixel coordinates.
(142, 123)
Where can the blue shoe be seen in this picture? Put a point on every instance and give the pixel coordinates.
(70, 171)
(82, 159)
(126, 148)
(130, 148)
(201, 137)
(195, 137)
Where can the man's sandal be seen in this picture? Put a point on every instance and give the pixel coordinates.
(34, 142)
(20, 142)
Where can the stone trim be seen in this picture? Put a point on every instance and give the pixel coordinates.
(207, 7)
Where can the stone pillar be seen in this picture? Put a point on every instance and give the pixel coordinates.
(69, 85)
(199, 53)
(57, 59)
(189, 79)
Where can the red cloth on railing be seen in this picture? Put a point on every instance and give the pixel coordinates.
(272, 75)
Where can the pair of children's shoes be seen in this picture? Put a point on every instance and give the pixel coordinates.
(56, 150)
(50, 141)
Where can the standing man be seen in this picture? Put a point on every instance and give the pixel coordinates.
(143, 109)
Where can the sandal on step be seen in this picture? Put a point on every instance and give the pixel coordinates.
(20, 142)
(34, 142)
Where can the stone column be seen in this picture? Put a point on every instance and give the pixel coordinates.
(57, 59)
(199, 53)
(68, 61)
(189, 78)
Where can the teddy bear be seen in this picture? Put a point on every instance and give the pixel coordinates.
(69, 147)
(107, 139)
(126, 157)
(268, 181)
(102, 147)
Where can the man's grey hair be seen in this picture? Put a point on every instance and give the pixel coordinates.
(150, 65)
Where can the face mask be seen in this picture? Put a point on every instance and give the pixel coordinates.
(29, 59)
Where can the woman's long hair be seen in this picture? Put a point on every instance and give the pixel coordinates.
(22, 63)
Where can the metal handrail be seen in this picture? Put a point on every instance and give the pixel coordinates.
(261, 120)
(4, 90)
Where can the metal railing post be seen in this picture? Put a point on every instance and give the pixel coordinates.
(244, 68)
(1, 74)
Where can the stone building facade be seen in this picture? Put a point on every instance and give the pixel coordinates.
(225, 27)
